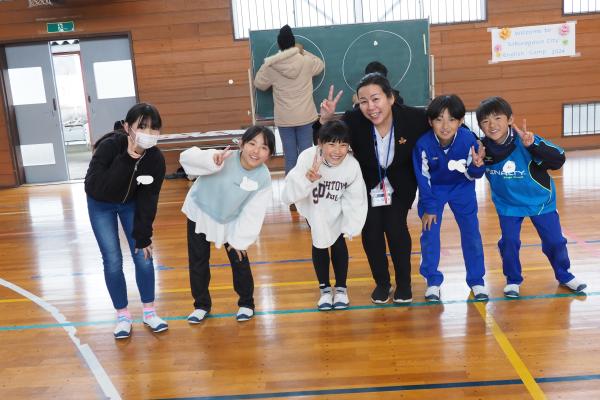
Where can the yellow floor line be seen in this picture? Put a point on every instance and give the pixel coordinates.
(13, 300)
(512, 355)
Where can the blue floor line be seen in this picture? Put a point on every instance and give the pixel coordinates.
(312, 310)
(395, 388)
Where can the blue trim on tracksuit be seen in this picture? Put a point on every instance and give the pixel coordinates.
(449, 177)
(521, 187)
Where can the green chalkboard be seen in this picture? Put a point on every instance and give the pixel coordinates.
(403, 47)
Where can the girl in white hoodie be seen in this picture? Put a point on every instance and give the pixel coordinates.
(328, 189)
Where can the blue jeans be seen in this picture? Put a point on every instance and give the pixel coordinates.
(295, 139)
(103, 217)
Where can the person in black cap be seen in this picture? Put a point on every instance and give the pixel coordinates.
(290, 73)
(286, 38)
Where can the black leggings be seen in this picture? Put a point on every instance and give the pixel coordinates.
(339, 259)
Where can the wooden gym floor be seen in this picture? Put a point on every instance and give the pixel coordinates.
(56, 318)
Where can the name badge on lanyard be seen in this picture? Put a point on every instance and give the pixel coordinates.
(380, 195)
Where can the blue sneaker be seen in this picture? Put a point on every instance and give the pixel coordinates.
(341, 300)
(480, 293)
(154, 322)
(432, 293)
(197, 316)
(325, 302)
(511, 290)
(244, 314)
(123, 328)
(575, 286)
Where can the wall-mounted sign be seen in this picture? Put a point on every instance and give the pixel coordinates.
(530, 42)
(54, 27)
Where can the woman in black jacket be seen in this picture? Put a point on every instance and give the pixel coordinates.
(383, 136)
(123, 182)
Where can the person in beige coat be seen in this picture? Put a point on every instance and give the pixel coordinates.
(290, 72)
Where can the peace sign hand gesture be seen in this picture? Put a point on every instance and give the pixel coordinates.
(479, 156)
(526, 137)
(328, 105)
(221, 156)
(313, 173)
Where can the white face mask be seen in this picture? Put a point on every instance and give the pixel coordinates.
(144, 140)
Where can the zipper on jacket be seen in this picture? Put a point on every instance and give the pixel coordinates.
(135, 167)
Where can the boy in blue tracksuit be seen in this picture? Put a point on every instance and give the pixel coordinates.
(516, 166)
(447, 160)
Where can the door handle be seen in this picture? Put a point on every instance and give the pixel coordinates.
(54, 104)
(89, 98)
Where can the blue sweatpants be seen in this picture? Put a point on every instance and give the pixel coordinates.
(554, 246)
(463, 204)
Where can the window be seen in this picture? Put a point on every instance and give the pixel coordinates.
(580, 6)
(581, 119)
(471, 122)
(272, 14)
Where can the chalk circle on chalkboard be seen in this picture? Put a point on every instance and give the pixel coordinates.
(310, 46)
(387, 47)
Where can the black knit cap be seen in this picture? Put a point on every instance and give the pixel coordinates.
(285, 39)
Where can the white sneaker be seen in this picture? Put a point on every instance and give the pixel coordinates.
(340, 299)
(511, 290)
(575, 285)
(154, 322)
(432, 293)
(325, 302)
(480, 293)
(244, 314)
(197, 316)
(123, 328)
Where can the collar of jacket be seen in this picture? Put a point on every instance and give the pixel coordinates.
(282, 55)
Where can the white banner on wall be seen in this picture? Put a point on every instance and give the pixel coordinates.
(530, 42)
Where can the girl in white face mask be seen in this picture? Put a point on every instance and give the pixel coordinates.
(142, 136)
(123, 183)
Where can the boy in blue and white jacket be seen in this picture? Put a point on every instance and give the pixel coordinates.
(447, 160)
(516, 166)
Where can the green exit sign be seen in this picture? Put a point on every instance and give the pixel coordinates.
(54, 27)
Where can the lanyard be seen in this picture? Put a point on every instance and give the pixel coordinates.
(387, 157)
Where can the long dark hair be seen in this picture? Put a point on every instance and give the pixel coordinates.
(139, 112)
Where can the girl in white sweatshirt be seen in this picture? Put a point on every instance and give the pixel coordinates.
(328, 189)
(226, 206)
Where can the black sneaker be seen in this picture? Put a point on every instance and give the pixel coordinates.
(402, 296)
(381, 294)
